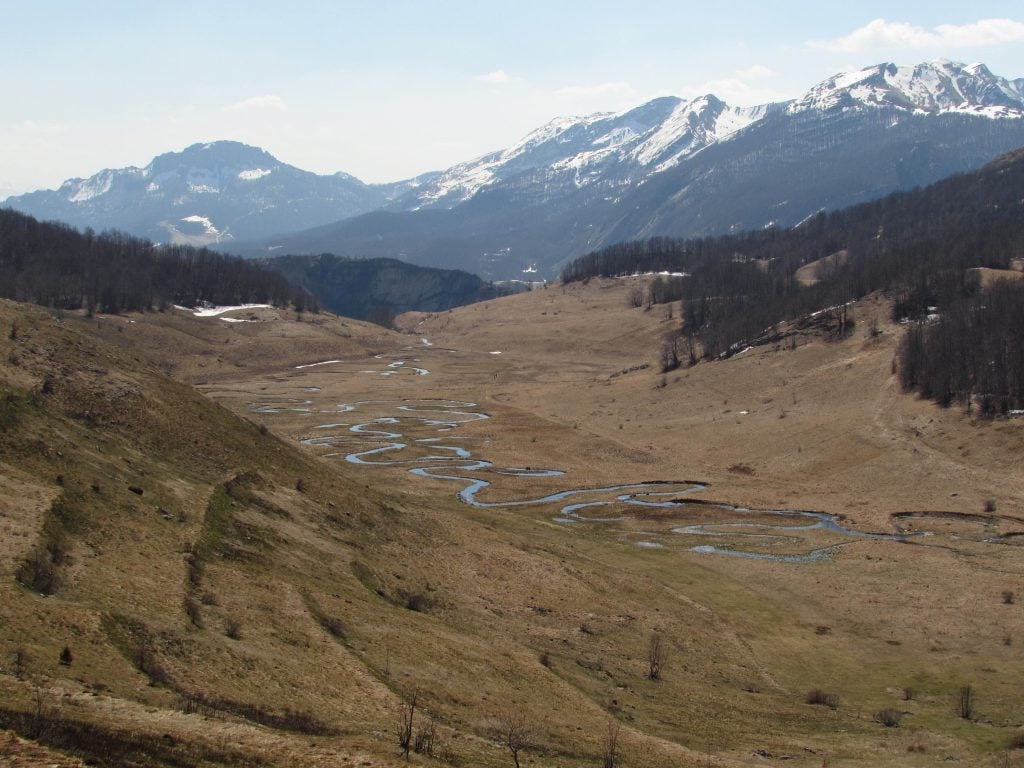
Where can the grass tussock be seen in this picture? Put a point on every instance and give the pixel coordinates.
(822, 698)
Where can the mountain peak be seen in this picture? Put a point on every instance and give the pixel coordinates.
(214, 154)
(938, 86)
(208, 192)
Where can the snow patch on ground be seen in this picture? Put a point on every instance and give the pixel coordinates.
(323, 362)
(653, 274)
(217, 311)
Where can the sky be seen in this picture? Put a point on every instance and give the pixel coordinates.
(386, 90)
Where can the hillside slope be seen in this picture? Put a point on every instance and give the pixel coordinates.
(231, 595)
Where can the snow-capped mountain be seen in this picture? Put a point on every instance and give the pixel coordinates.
(668, 167)
(606, 149)
(624, 149)
(205, 194)
(936, 87)
(697, 167)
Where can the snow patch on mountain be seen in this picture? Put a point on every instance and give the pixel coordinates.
(208, 227)
(462, 181)
(255, 173)
(613, 149)
(83, 190)
(87, 189)
(692, 126)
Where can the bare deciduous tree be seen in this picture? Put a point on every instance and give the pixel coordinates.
(668, 358)
(965, 702)
(404, 724)
(657, 655)
(611, 745)
(426, 737)
(516, 732)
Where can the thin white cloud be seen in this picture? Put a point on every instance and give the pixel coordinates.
(756, 72)
(880, 32)
(601, 89)
(497, 77)
(267, 101)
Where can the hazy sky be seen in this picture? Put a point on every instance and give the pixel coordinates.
(386, 90)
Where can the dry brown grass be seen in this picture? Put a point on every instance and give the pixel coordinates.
(987, 276)
(509, 587)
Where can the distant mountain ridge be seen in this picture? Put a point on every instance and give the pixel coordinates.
(205, 194)
(657, 136)
(668, 167)
(688, 168)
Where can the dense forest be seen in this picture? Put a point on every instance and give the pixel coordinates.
(378, 289)
(973, 353)
(56, 265)
(919, 246)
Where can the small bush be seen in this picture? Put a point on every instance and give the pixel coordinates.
(1017, 742)
(419, 602)
(147, 663)
(38, 571)
(194, 612)
(233, 629)
(196, 569)
(21, 661)
(425, 739)
(821, 698)
(334, 625)
(890, 718)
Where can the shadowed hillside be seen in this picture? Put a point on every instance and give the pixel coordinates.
(379, 289)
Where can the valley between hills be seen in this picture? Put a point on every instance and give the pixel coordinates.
(223, 534)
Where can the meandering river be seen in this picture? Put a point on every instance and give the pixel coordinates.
(418, 436)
